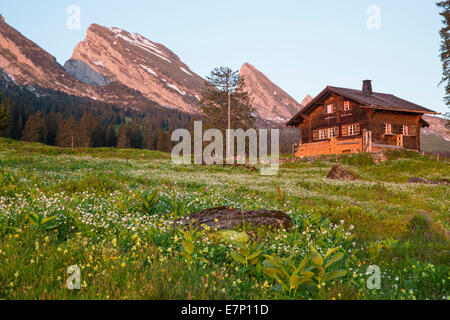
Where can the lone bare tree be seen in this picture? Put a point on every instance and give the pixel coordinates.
(226, 104)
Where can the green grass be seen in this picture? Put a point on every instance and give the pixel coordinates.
(125, 253)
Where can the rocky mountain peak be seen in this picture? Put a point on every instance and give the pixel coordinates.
(141, 64)
(307, 100)
(438, 126)
(127, 69)
(28, 64)
(269, 100)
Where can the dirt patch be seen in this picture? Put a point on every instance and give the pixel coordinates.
(338, 172)
(225, 218)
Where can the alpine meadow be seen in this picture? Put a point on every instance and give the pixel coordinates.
(224, 160)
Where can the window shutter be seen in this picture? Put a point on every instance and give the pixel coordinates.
(412, 131)
(358, 129)
(344, 130)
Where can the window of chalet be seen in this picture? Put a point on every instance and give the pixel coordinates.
(322, 134)
(332, 133)
(330, 108)
(387, 128)
(346, 105)
(404, 130)
(352, 130)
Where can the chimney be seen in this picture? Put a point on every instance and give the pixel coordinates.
(367, 87)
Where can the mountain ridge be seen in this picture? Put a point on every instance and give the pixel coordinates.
(115, 66)
(146, 66)
(28, 64)
(270, 101)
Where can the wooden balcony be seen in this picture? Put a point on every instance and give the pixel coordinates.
(351, 145)
(333, 146)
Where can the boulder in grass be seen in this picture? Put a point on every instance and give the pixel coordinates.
(225, 218)
(338, 172)
(443, 181)
(418, 180)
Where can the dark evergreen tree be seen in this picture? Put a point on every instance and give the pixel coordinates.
(15, 123)
(135, 136)
(35, 129)
(87, 127)
(163, 142)
(123, 140)
(3, 115)
(68, 133)
(98, 137)
(110, 136)
(148, 134)
(445, 47)
(52, 128)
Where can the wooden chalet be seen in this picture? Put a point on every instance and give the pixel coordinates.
(341, 120)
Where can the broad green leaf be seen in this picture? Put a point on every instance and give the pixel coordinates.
(281, 282)
(45, 220)
(236, 256)
(321, 270)
(334, 274)
(272, 271)
(330, 252)
(254, 255)
(294, 281)
(188, 247)
(337, 257)
(301, 266)
(317, 259)
(245, 252)
(307, 274)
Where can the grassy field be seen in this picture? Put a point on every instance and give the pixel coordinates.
(93, 208)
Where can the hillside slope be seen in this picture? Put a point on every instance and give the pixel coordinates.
(269, 100)
(139, 63)
(436, 138)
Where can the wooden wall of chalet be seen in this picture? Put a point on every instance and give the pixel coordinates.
(412, 141)
(320, 119)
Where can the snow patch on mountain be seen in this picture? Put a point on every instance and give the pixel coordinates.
(176, 88)
(141, 42)
(149, 70)
(184, 70)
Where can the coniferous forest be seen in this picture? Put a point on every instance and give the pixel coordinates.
(62, 120)
(57, 119)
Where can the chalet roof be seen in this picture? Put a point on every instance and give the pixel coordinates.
(375, 100)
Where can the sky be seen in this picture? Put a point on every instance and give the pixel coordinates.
(301, 45)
